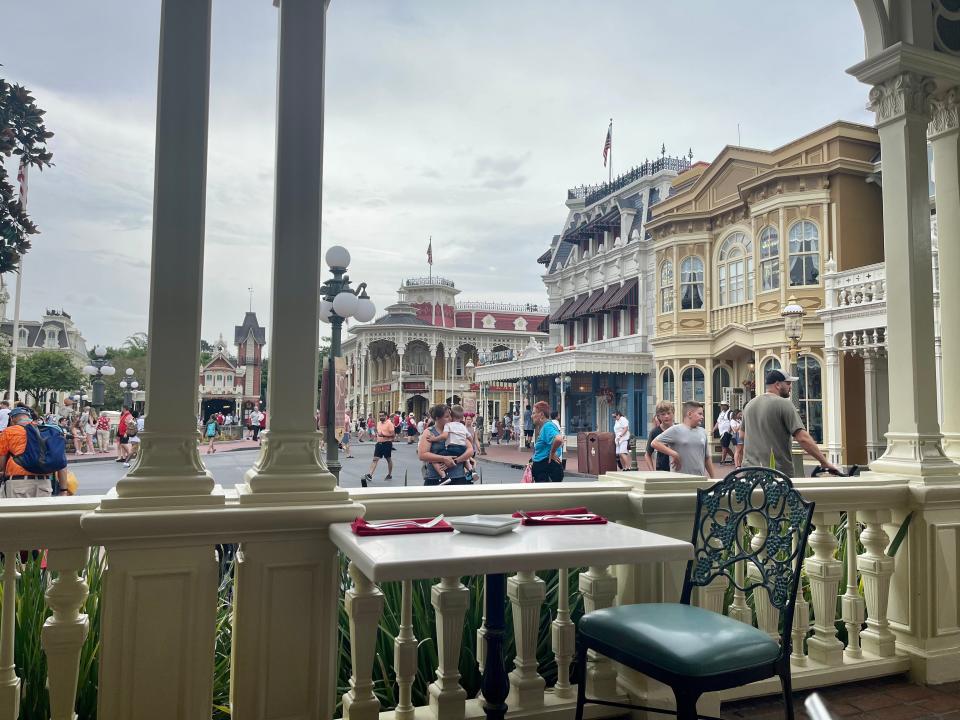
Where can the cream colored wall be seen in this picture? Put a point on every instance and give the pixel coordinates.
(859, 221)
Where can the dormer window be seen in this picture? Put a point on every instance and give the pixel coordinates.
(24, 336)
(50, 338)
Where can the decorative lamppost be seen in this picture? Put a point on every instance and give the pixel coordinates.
(563, 384)
(478, 421)
(79, 398)
(98, 369)
(338, 303)
(793, 314)
(128, 385)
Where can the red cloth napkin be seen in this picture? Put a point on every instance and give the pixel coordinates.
(362, 527)
(533, 515)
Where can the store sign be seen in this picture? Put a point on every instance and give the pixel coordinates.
(414, 386)
(501, 388)
(501, 356)
(380, 389)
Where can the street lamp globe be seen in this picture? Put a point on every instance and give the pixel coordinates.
(365, 310)
(338, 257)
(345, 303)
(89, 370)
(108, 370)
(325, 307)
(123, 384)
(128, 372)
(793, 314)
(134, 385)
(99, 351)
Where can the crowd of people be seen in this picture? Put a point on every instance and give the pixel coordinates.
(213, 425)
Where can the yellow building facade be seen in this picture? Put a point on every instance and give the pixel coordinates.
(736, 240)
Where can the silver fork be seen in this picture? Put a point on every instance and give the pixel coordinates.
(402, 523)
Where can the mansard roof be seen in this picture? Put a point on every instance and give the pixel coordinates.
(240, 332)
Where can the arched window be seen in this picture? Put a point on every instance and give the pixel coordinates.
(24, 336)
(50, 338)
(692, 385)
(667, 385)
(219, 379)
(804, 254)
(769, 259)
(810, 395)
(721, 380)
(691, 283)
(735, 270)
(666, 287)
(769, 365)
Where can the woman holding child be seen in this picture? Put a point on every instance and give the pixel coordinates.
(444, 448)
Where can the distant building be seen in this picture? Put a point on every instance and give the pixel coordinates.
(231, 384)
(425, 349)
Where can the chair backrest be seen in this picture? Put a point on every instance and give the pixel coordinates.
(753, 518)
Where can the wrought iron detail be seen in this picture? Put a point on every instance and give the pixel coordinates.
(592, 193)
(753, 516)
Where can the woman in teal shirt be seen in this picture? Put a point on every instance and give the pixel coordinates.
(545, 464)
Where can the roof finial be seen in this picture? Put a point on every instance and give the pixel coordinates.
(250, 290)
(663, 149)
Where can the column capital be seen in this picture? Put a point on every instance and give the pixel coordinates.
(905, 94)
(944, 114)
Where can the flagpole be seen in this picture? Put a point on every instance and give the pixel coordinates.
(610, 168)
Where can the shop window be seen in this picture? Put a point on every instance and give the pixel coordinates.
(666, 287)
(769, 259)
(691, 283)
(667, 385)
(692, 385)
(804, 254)
(735, 270)
(810, 395)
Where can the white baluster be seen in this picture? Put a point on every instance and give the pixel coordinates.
(824, 571)
(526, 592)
(363, 603)
(767, 615)
(739, 610)
(9, 682)
(801, 624)
(450, 600)
(599, 589)
(563, 636)
(710, 596)
(405, 655)
(876, 570)
(64, 632)
(881, 289)
(852, 606)
(482, 631)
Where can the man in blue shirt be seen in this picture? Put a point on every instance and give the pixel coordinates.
(545, 463)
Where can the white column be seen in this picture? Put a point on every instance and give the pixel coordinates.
(834, 406)
(944, 132)
(875, 442)
(400, 407)
(289, 457)
(433, 376)
(913, 441)
(168, 463)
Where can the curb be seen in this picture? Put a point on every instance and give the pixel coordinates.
(73, 460)
(515, 466)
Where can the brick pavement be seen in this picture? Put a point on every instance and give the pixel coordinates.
(891, 698)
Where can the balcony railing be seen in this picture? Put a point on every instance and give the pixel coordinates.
(723, 317)
(860, 286)
(850, 579)
(503, 307)
(592, 193)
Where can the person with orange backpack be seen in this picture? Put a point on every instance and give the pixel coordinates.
(33, 457)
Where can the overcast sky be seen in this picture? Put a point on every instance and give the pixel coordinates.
(464, 120)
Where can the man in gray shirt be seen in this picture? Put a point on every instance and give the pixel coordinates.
(770, 421)
(687, 443)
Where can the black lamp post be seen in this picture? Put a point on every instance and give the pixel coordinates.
(338, 303)
(129, 384)
(98, 369)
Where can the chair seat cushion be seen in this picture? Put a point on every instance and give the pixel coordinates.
(680, 639)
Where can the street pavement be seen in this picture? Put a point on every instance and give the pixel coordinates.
(96, 477)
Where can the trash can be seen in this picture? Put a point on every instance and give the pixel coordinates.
(584, 455)
(606, 453)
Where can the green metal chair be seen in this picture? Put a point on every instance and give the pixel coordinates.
(694, 650)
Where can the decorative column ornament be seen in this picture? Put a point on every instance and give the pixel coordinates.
(363, 604)
(906, 93)
(64, 632)
(450, 600)
(943, 132)
(526, 592)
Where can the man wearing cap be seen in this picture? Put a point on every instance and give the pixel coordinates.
(18, 482)
(722, 425)
(770, 421)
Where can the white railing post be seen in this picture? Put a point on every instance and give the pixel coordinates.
(363, 603)
(563, 636)
(526, 592)
(739, 610)
(767, 615)
(710, 597)
(482, 630)
(405, 655)
(64, 632)
(824, 571)
(450, 600)
(801, 625)
(854, 610)
(9, 682)
(599, 589)
(876, 569)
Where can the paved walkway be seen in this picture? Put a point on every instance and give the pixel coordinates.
(222, 446)
(510, 455)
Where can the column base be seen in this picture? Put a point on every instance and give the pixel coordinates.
(525, 692)
(289, 467)
(915, 456)
(10, 699)
(932, 667)
(167, 467)
(113, 501)
(834, 453)
(951, 445)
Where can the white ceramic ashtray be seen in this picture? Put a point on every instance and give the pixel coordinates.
(484, 524)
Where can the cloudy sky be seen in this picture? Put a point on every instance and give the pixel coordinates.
(462, 120)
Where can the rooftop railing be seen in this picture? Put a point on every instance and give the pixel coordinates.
(592, 193)
(427, 281)
(503, 307)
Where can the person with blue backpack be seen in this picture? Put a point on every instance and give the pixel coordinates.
(33, 457)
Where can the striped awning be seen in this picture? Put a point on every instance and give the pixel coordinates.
(601, 304)
(626, 296)
(563, 311)
(575, 308)
(586, 307)
(544, 325)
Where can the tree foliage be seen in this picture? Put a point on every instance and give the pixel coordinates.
(46, 371)
(23, 136)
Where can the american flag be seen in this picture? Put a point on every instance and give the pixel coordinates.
(22, 179)
(608, 143)
(430, 251)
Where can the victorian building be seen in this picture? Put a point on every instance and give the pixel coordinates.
(739, 239)
(231, 384)
(427, 346)
(599, 279)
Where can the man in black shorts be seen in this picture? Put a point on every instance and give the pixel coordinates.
(664, 417)
(386, 434)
